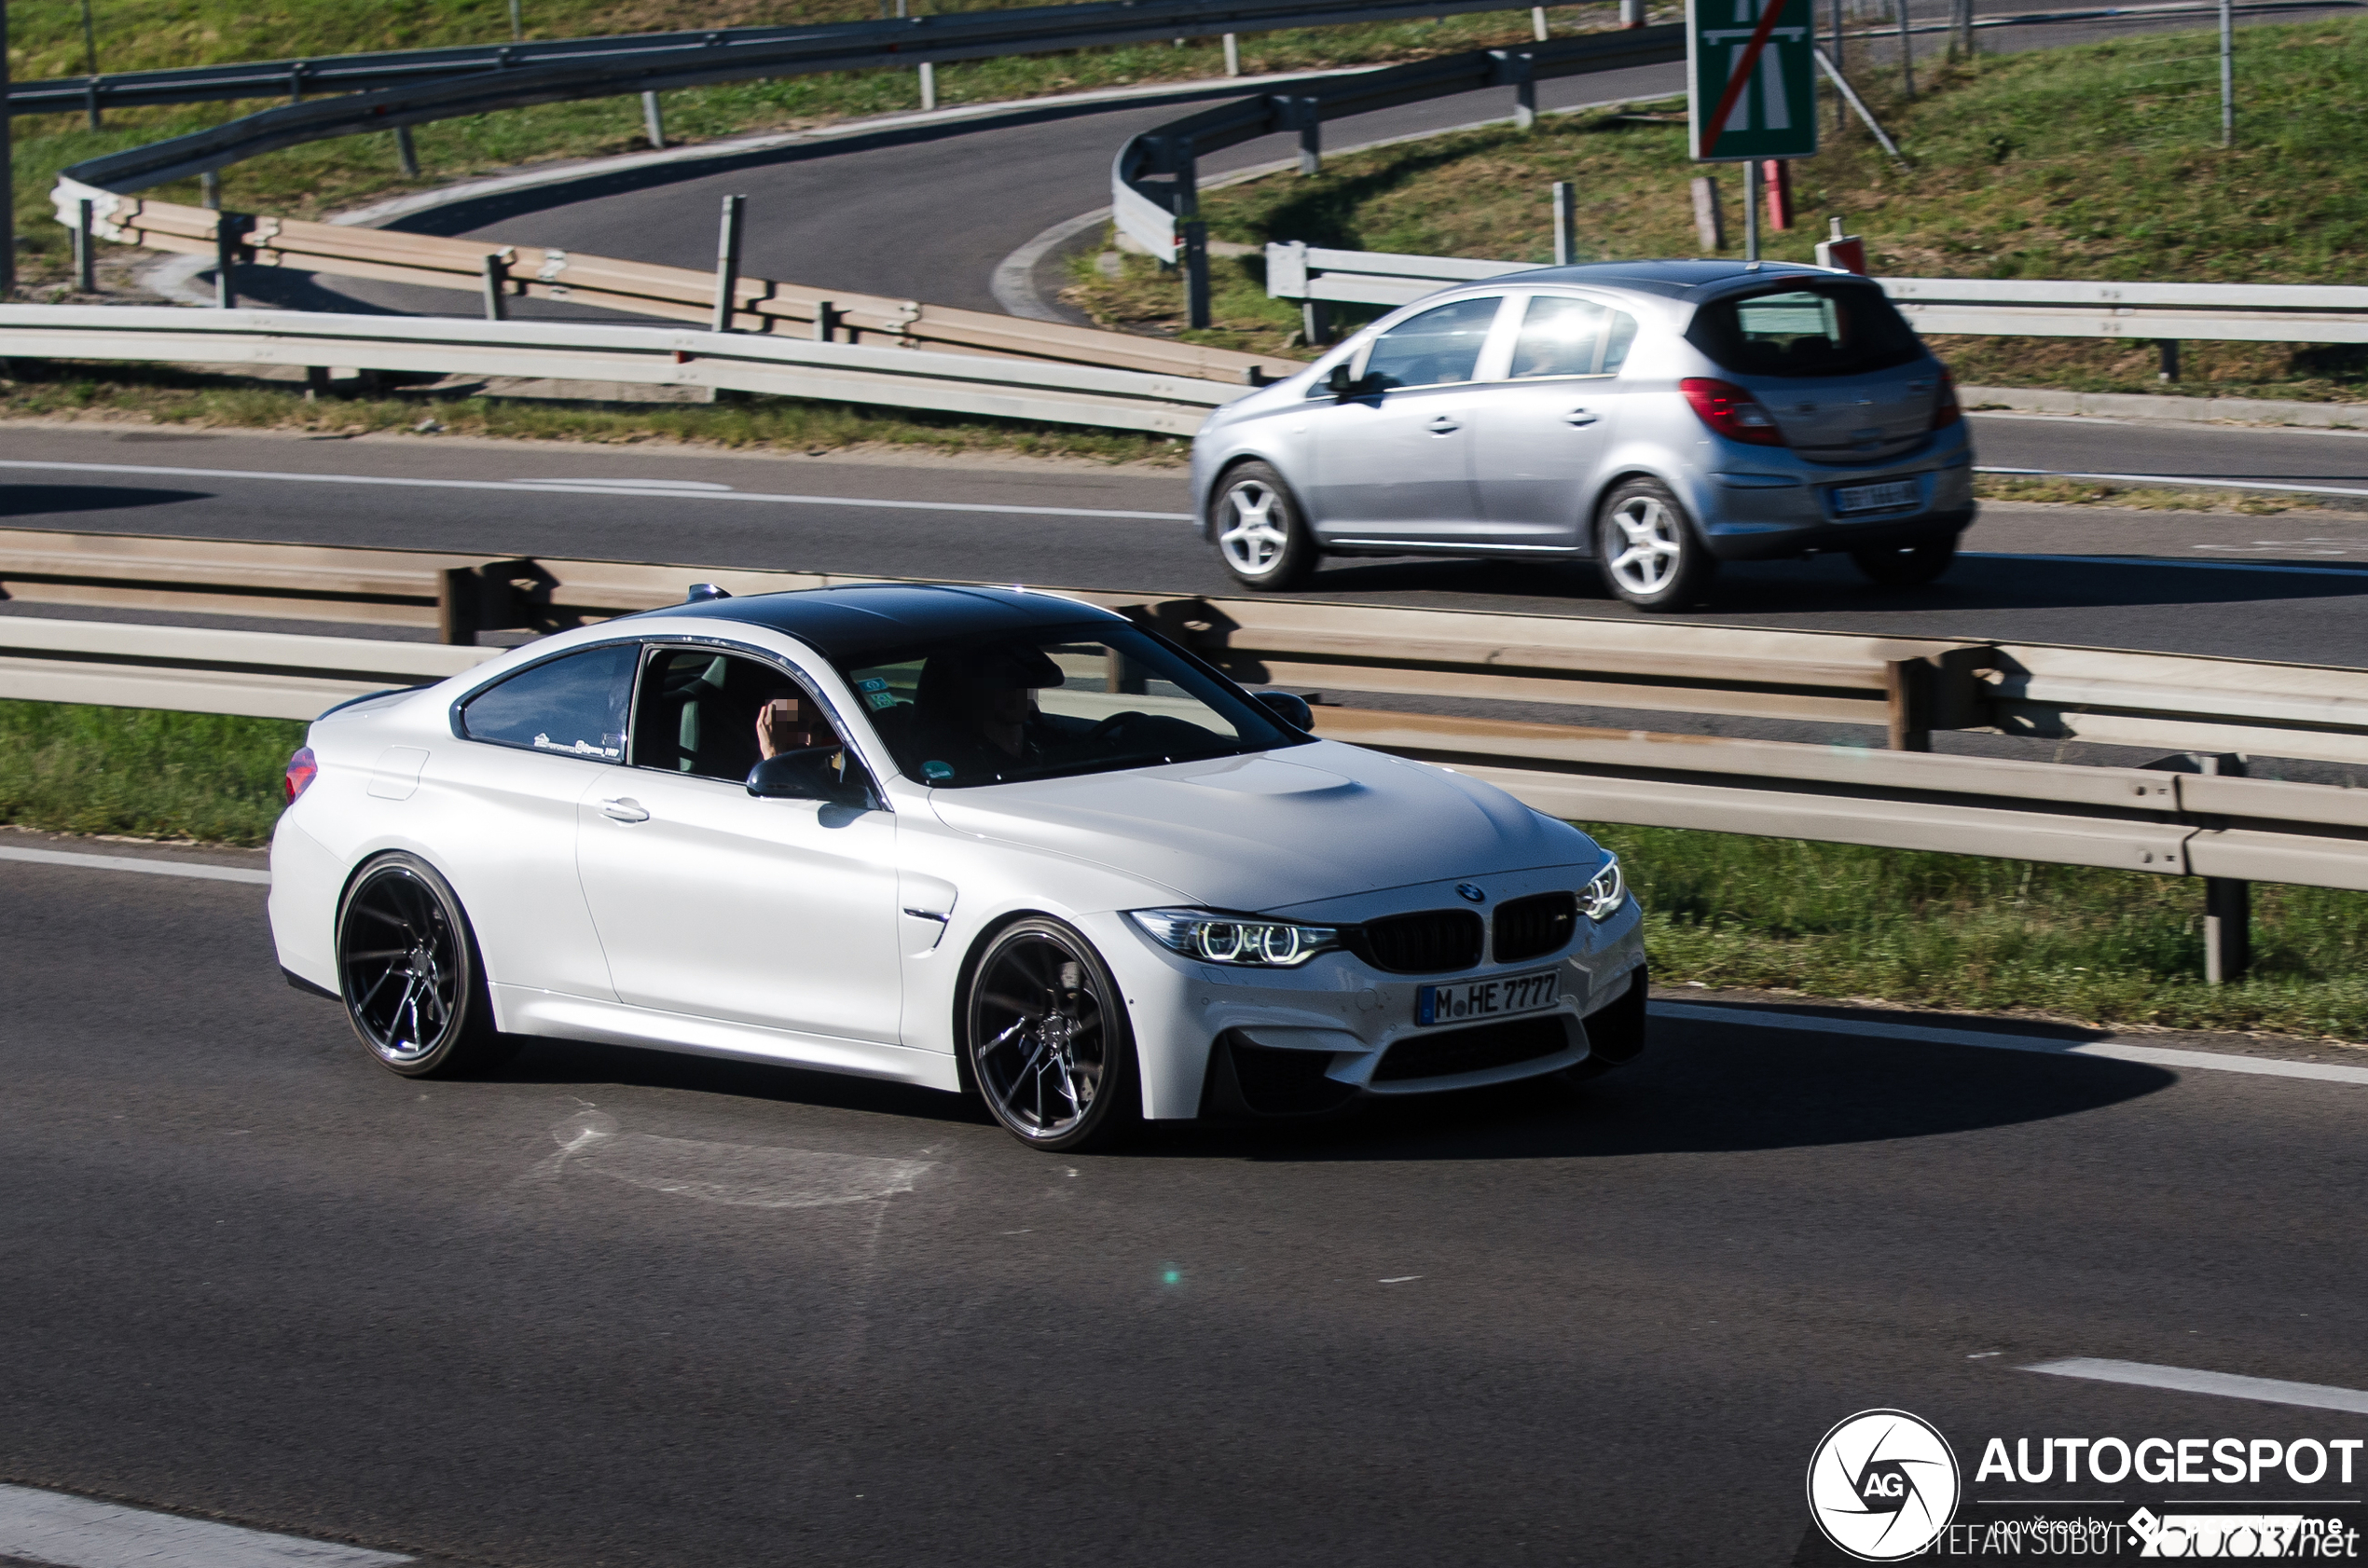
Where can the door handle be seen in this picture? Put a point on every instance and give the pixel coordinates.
(624, 810)
(1580, 416)
(1443, 425)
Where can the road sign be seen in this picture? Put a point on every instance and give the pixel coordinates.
(1754, 72)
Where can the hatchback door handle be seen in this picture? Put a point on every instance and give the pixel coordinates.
(1580, 416)
(1443, 425)
(624, 810)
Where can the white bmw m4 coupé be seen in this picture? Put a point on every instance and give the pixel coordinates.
(988, 841)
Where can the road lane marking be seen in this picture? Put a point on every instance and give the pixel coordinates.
(125, 863)
(590, 486)
(77, 1532)
(2279, 486)
(2185, 1380)
(2153, 1055)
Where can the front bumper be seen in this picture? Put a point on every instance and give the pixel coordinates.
(1216, 1040)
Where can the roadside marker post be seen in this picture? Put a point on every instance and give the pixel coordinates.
(1752, 66)
(1846, 252)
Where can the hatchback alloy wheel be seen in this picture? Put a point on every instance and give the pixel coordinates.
(1647, 550)
(1258, 531)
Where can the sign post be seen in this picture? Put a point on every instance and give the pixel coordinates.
(1753, 70)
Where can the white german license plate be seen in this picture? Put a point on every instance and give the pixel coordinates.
(1876, 498)
(1484, 998)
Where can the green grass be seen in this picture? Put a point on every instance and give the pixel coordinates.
(323, 177)
(163, 394)
(78, 769)
(2063, 163)
(1951, 931)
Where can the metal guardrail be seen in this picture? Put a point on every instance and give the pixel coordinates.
(1154, 182)
(2132, 819)
(1974, 307)
(470, 82)
(501, 273)
(966, 383)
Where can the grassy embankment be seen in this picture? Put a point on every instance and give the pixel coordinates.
(2066, 163)
(1825, 920)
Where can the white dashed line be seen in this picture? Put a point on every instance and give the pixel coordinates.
(77, 1532)
(2229, 1385)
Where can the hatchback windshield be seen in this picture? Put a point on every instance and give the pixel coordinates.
(1051, 701)
(1823, 330)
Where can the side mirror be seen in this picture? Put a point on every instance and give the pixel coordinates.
(1292, 711)
(1340, 384)
(813, 773)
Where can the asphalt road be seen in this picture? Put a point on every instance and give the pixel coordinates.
(2287, 587)
(246, 1273)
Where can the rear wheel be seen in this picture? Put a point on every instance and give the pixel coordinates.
(1046, 1039)
(1908, 566)
(1647, 551)
(408, 972)
(1259, 531)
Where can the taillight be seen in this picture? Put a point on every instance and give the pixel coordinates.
(302, 767)
(1944, 410)
(1731, 411)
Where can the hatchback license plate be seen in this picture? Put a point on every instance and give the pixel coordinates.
(1485, 999)
(1876, 498)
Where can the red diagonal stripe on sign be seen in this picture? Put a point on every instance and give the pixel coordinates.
(1741, 78)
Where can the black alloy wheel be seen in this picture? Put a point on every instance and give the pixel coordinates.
(1046, 1039)
(409, 971)
(1908, 566)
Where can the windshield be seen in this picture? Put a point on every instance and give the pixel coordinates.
(1825, 330)
(1053, 701)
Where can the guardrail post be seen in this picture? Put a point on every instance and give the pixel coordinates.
(929, 86)
(2170, 350)
(90, 102)
(826, 322)
(230, 229)
(1710, 230)
(1566, 225)
(210, 189)
(1906, 51)
(86, 258)
(497, 283)
(1537, 23)
(727, 262)
(1519, 67)
(1907, 705)
(2228, 903)
(1196, 246)
(1307, 114)
(406, 152)
(316, 382)
(1631, 13)
(1232, 55)
(653, 119)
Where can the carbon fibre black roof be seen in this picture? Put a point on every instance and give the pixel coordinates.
(851, 623)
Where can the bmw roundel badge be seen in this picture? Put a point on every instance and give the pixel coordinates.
(1470, 893)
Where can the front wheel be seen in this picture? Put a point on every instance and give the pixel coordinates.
(1259, 531)
(1908, 566)
(409, 971)
(1046, 1039)
(1648, 552)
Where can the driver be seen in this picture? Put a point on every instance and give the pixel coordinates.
(982, 715)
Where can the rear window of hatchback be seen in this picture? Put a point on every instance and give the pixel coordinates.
(1820, 329)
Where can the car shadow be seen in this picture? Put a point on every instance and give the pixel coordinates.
(1701, 1087)
(33, 500)
(1976, 583)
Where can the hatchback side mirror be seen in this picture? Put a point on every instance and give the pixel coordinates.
(1292, 711)
(813, 773)
(1340, 383)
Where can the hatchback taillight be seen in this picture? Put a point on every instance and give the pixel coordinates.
(1731, 411)
(1945, 408)
(302, 768)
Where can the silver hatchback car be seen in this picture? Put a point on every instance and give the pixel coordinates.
(1658, 417)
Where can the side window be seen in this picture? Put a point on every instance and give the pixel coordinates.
(715, 715)
(573, 704)
(1435, 348)
(1565, 336)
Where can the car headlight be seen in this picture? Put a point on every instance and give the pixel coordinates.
(1229, 939)
(1606, 894)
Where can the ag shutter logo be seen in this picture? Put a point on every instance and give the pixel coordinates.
(1883, 1485)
